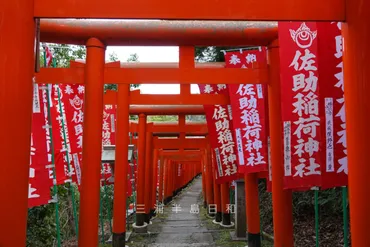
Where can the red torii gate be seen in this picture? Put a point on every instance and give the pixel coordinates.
(17, 64)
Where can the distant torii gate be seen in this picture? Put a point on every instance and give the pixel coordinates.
(145, 202)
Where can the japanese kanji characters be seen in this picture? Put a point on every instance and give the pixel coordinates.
(219, 120)
(300, 104)
(306, 106)
(334, 172)
(225, 139)
(65, 144)
(247, 104)
(108, 125)
(39, 182)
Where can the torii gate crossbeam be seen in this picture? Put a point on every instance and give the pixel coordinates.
(158, 32)
(315, 10)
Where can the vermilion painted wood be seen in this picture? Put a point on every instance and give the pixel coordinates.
(252, 203)
(158, 33)
(266, 10)
(281, 199)
(153, 197)
(92, 144)
(356, 33)
(148, 170)
(163, 161)
(157, 75)
(209, 176)
(121, 164)
(141, 168)
(17, 69)
(153, 104)
(169, 143)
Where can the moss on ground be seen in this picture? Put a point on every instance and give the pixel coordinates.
(222, 236)
(144, 239)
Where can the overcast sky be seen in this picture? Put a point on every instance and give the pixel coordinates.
(152, 54)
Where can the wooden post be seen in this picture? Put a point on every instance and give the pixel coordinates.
(225, 201)
(253, 209)
(209, 182)
(216, 193)
(281, 199)
(154, 184)
(356, 33)
(140, 204)
(148, 175)
(17, 31)
(121, 167)
(161, 179)
(92, 143)
(204, 182)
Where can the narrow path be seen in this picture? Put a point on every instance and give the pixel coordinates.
(183, 228)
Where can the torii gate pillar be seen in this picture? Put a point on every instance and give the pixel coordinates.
(17, 69)
(121, 167)
(356, 53)
(148, 176)
(140, 225)
(92, 144)
(281, 199)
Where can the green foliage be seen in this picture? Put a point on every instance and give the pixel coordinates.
(195, 118)
(162, 118)
(63, 54)
(175, 118)
(106, 195)
(266, 206)
(113, 57)
(210, 54)
(41, 226)
(329, 201)
(133, 58)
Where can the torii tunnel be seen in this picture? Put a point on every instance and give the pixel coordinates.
(25, 23)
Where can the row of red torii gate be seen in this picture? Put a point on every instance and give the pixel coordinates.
(307, 147)
(238, 132)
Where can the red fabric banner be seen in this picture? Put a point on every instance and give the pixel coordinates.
(49, 56)
(249, 114)
(300, 104)
(109, 125)
(221, 134)
(333, 125)
(74, 102)
(39, 182)
(60, 95)
(109, 138)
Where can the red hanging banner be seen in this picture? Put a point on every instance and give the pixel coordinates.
(249, 114)
(300, 104)
(60, 95)
(333, 125)
(109, 125)
(74, 103)
(109, 138)
(39, 182)
(219, 122)
(49, 57)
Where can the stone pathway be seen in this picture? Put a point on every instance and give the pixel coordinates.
(182, 228)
